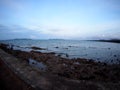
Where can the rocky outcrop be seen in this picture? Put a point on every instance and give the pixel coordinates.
(62, 73)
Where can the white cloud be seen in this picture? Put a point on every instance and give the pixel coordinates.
(33, 37)
(76, 31)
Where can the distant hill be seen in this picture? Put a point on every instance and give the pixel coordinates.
(22, 39)
(111, 40)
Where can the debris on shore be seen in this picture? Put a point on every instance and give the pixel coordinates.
(79, 69)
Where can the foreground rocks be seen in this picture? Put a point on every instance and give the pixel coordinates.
(85, 74)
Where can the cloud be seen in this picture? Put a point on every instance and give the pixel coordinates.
(78, 31)
(33, 37)
(12, 29)
(103, 30)
(12, 4)
(95, 18)
(16, 31)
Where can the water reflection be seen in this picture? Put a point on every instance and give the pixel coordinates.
(37, 64)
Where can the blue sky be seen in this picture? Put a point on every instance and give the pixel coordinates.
(63, 19)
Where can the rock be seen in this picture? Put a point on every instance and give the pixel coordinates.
(80, 68)
(115, 55)
(56, 47)
(37, 48)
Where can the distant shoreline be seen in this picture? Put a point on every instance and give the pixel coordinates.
(99, 40)
(112, 41)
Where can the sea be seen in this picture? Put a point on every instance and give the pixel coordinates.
(107, 52)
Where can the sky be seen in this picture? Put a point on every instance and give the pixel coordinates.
(60, 19)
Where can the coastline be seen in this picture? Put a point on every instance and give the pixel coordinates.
(76, 69)
(110, 41)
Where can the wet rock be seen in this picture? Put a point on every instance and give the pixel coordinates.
(69, 46)
(115, 55)
(67, 55)
(80, 68)
(65, 48)
(4, 46)
(56, 47)
(59, 55)
(52, 53)
(37, 48)
(109, 48)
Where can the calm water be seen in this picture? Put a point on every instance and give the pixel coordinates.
(100, 51)
(37, 64)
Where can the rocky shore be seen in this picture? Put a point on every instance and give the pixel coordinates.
(76, 69)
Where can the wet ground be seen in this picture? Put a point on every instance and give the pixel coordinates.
(86, 71)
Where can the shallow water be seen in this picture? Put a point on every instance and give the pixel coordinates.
(100, 51)
(37, 64)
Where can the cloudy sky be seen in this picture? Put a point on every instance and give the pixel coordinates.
(60, 19)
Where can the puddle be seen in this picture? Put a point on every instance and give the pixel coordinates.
(76, 63)
(37, 64)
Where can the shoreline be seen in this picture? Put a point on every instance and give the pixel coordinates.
(64, 66)
(76, 69)
(110, 41)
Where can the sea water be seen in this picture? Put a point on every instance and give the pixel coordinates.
(99, 51)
